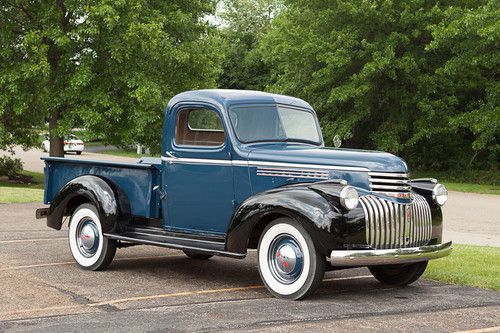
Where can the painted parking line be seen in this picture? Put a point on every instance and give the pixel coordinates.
(62, 263)
(31, 240)
(482, 330)
(151, 297)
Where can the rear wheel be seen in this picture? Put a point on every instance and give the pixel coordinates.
(288, 261)
(90, 249)
(399, 275)
(78, 152)
(197, 255)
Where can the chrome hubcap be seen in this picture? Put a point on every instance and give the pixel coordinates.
(285, 259)
(88, 237)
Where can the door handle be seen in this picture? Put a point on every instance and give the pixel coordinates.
(160, 191)
(170, 155)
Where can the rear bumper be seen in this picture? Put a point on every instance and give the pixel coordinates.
(389, 256)
(74, 148)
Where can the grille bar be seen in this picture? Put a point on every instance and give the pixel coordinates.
(293, 173)
(392, 225)
(390, 184)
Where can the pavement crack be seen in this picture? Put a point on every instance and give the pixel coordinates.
(83, 300)
(269, 323)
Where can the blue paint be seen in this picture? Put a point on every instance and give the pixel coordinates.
(202, 198)
(137, 180)
(199, 197)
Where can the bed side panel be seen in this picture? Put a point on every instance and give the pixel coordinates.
(136, 180)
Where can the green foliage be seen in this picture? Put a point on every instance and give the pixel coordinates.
(415, 78)
(204, 119)
(10, 167)
(483, 177)
(244, 24)
(108, 66)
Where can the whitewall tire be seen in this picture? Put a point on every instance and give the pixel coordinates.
(90, 249)
(288, 262)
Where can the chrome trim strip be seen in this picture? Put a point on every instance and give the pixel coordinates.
(390, 181)
(387, 224)
(306, 166)
(390, 187)
(261, 163)
(425, 180)
(389, 256)
(389, 174)
(400, 195)
(293, 173)
(183, 160)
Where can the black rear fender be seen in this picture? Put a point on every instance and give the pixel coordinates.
(111, 202)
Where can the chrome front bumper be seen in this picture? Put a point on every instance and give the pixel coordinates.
(390, 256)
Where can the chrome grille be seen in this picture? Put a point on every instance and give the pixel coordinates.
(391, 184)
(292, 173)
(388, 225)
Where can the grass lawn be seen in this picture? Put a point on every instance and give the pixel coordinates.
(93, 143)
(475, 188)
(477, 266)
(20, 193)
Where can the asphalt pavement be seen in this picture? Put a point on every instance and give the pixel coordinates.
(155, 289)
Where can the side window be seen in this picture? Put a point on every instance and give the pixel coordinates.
(199, 127)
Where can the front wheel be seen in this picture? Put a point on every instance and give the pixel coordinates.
(399, 275)
(288, 261)
(90, 249)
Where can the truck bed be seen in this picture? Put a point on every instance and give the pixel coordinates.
(136, 179)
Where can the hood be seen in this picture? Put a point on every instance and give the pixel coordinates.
(301, 154)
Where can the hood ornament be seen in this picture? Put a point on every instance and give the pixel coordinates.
(337, 141)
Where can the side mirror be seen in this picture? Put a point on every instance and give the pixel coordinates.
(337, 141)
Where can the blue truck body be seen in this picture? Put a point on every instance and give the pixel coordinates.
(218, 199)
(225, 188)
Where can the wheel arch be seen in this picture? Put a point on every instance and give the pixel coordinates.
(109, 199)
(313, 211)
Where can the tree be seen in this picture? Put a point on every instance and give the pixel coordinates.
(468, 82)
(109, 66)
(244, 22)
(409, 77)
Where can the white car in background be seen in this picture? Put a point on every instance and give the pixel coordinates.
(71, 144)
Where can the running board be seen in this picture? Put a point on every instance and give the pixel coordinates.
(178, 243)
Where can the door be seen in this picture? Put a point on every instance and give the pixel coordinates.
(199, 177)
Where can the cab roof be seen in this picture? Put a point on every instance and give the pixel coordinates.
(228, 97)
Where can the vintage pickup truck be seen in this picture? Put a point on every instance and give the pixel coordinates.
(246, 170)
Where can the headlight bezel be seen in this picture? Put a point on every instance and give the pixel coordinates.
(349, 203)
(438, 193)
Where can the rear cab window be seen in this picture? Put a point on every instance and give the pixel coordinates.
(199, 127)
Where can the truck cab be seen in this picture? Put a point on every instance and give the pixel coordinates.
(247, 169)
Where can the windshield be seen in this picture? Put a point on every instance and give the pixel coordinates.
(274, 123)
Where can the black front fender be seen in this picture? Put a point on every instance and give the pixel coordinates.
(329, 226)
(111, 202)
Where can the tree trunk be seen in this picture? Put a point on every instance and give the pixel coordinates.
(56, 142)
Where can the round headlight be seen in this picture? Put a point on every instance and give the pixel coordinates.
(349, 197)
(440, 194)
